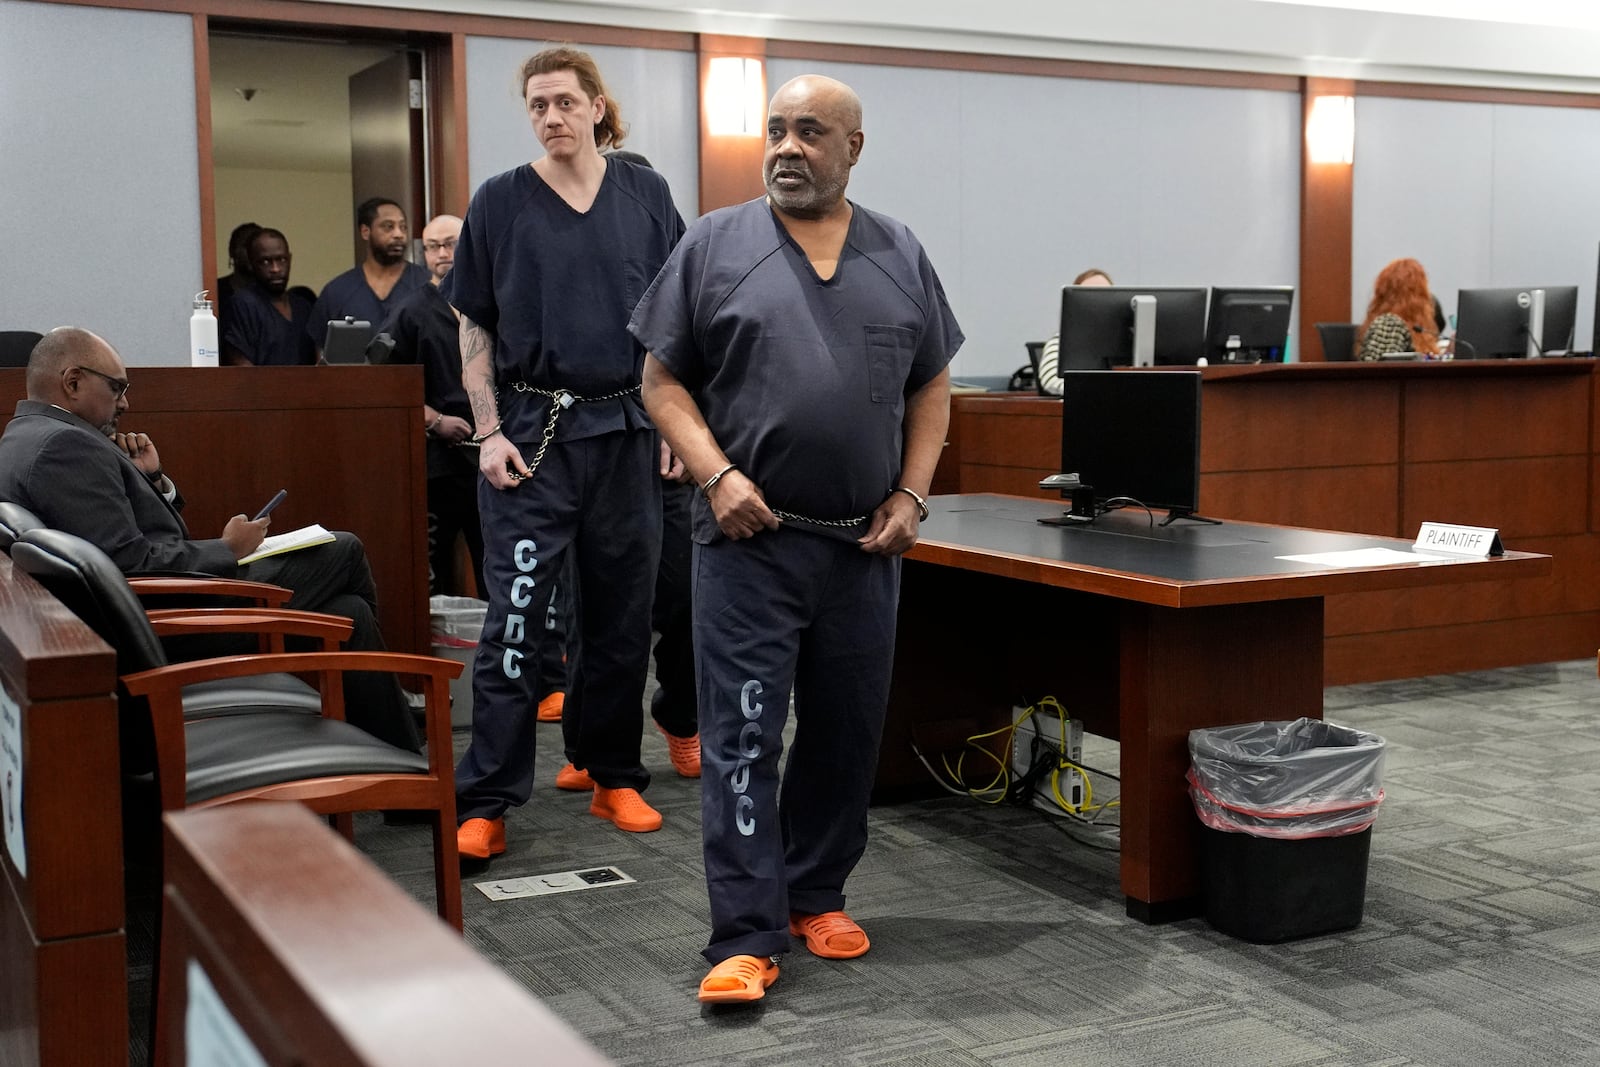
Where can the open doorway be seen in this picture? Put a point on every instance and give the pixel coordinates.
(303, 129)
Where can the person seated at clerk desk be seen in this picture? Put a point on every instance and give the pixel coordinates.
(1050, 358)
(63, 458)
(1402, 315)
(267, 322)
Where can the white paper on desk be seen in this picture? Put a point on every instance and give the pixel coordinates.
(292, 541)
(1362, 557)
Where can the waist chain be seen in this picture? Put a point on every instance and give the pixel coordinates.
(844, 524)
(561, 400)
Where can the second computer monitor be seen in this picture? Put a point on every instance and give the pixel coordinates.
(1248, 324)
(1132, 437)
(1493, 323)
(1097, 325)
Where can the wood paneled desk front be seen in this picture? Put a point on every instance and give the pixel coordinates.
(1142, 632)
(1379, 448)
(346, 442)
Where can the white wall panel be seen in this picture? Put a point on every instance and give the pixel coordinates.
(1015, 183)
(1423, 188)
(656, 90)
(1546, 222)
(99, 189)
(1481, 194)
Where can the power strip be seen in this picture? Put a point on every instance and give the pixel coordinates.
(1040, 736)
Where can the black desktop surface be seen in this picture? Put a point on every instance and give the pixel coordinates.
(1125, 541)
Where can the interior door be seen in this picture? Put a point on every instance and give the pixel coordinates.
(387, 151)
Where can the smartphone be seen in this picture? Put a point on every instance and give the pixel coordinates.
(274, 502)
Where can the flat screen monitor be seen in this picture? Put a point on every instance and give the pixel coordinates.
(1493, 323)
(1131, 437)
(1248, 324)
(1097, 325)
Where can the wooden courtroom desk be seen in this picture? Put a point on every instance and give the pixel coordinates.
(345, 441)
(63, 979)
(1380, 448)
(1143, 633)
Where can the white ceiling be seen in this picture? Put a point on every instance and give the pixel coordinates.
(299, 115)
(298, 119)
(1549, 45)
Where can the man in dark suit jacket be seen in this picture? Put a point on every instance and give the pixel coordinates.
(64, 459)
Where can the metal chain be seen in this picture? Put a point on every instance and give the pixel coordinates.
(789, 516)
(561, 399)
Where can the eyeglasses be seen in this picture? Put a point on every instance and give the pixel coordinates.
(119, 386)
(439, 246)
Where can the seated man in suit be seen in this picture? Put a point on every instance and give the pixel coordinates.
(63, 458)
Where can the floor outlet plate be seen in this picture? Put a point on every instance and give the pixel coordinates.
(542, 885)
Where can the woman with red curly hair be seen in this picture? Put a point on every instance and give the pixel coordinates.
(1400, 317)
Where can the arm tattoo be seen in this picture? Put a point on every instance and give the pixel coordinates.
(477, 372)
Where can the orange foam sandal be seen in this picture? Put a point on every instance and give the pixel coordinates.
(833, 935)
(574, 780)
(738, 980)
(478, 839)
(684, 752)
(626, 809)
(551, 706)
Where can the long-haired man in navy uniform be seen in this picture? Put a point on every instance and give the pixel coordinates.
(551, 260)
(799, 348)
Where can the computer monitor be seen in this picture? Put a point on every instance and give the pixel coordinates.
(1131, 437)
(1248, 324)
(1493, 323)
(1098, 325)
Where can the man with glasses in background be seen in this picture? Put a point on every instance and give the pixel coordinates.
(426, 330)
(64, 458)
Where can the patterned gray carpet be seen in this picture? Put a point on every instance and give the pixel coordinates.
(999, 936)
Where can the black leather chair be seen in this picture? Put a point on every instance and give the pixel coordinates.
(16, 346)
(273, 753)
(15, 520)
(180, 609)
(1338, 340)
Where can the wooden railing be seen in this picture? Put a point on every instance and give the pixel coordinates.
(63, 971)
(277, 934)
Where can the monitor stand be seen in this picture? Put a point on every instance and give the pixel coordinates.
(1084, 509)
(1185, 515)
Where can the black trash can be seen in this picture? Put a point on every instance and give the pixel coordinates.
(1287, 811)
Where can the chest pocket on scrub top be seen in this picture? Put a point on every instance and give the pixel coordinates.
(636, 278)
(889, 351)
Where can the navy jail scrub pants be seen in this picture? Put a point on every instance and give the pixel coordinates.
(787, 610)
(598, 498)
(672, 705)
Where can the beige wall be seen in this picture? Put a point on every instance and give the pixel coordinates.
(312, 208)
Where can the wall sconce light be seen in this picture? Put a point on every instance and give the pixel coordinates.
(1331, 129)
(736, 97)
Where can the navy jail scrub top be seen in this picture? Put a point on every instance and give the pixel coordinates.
(267, 339)
(803, 382)
(555, 287)
(349, 296)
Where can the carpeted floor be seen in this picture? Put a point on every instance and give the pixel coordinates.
(999, 936)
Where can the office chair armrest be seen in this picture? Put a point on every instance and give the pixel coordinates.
(273, 623)
(262, 594)
(163, 687)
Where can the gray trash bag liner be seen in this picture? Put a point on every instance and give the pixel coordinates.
(1306, 778)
